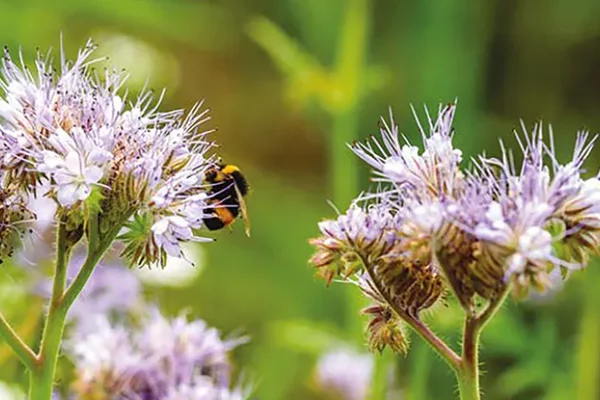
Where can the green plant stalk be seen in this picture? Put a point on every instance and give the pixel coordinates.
(349, 68)
(467, 375)
(42, 377)
(587, 363)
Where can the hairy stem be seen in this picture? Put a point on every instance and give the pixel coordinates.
(96, 251)
(440, 347)
(42, 377)
(468, 373)
(586, 363)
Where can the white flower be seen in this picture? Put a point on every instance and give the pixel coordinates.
(171, 230)
(535, 246)
(168, 231)
(423, 219)
(74, 179)
(494, 228)
(404, 168)
(358, 227)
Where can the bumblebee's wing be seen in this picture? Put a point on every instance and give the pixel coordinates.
(243, 210)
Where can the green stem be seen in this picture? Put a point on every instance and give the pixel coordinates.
(587, 363)
(21, 349)
(468, 386)
(344, 171)
(468, 373)
(42, 377)
(438, 345)
(94, 256)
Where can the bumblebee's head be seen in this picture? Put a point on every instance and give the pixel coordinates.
(211, 174)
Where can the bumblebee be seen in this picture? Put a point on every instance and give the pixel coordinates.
(227, 187)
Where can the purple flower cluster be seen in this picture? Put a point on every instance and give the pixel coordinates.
(159, 359)
(433, 226)
(71, 134)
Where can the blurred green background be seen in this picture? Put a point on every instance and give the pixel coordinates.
(290, 82)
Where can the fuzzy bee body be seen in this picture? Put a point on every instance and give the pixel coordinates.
(227, 188)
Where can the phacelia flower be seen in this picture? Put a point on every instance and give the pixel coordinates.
(516, 231)
(433, 172)
(434, 227)
(357, 233)
(73, 135)
(157, 360)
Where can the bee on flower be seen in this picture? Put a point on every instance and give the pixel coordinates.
(73, 135)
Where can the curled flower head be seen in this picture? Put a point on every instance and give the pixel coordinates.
(385, 329)
(161, 359)
(432, 227)
(580, 214)
(357, 233)
(72, 135)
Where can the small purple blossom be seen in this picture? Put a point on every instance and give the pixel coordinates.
(434, 171)
(159, 359)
